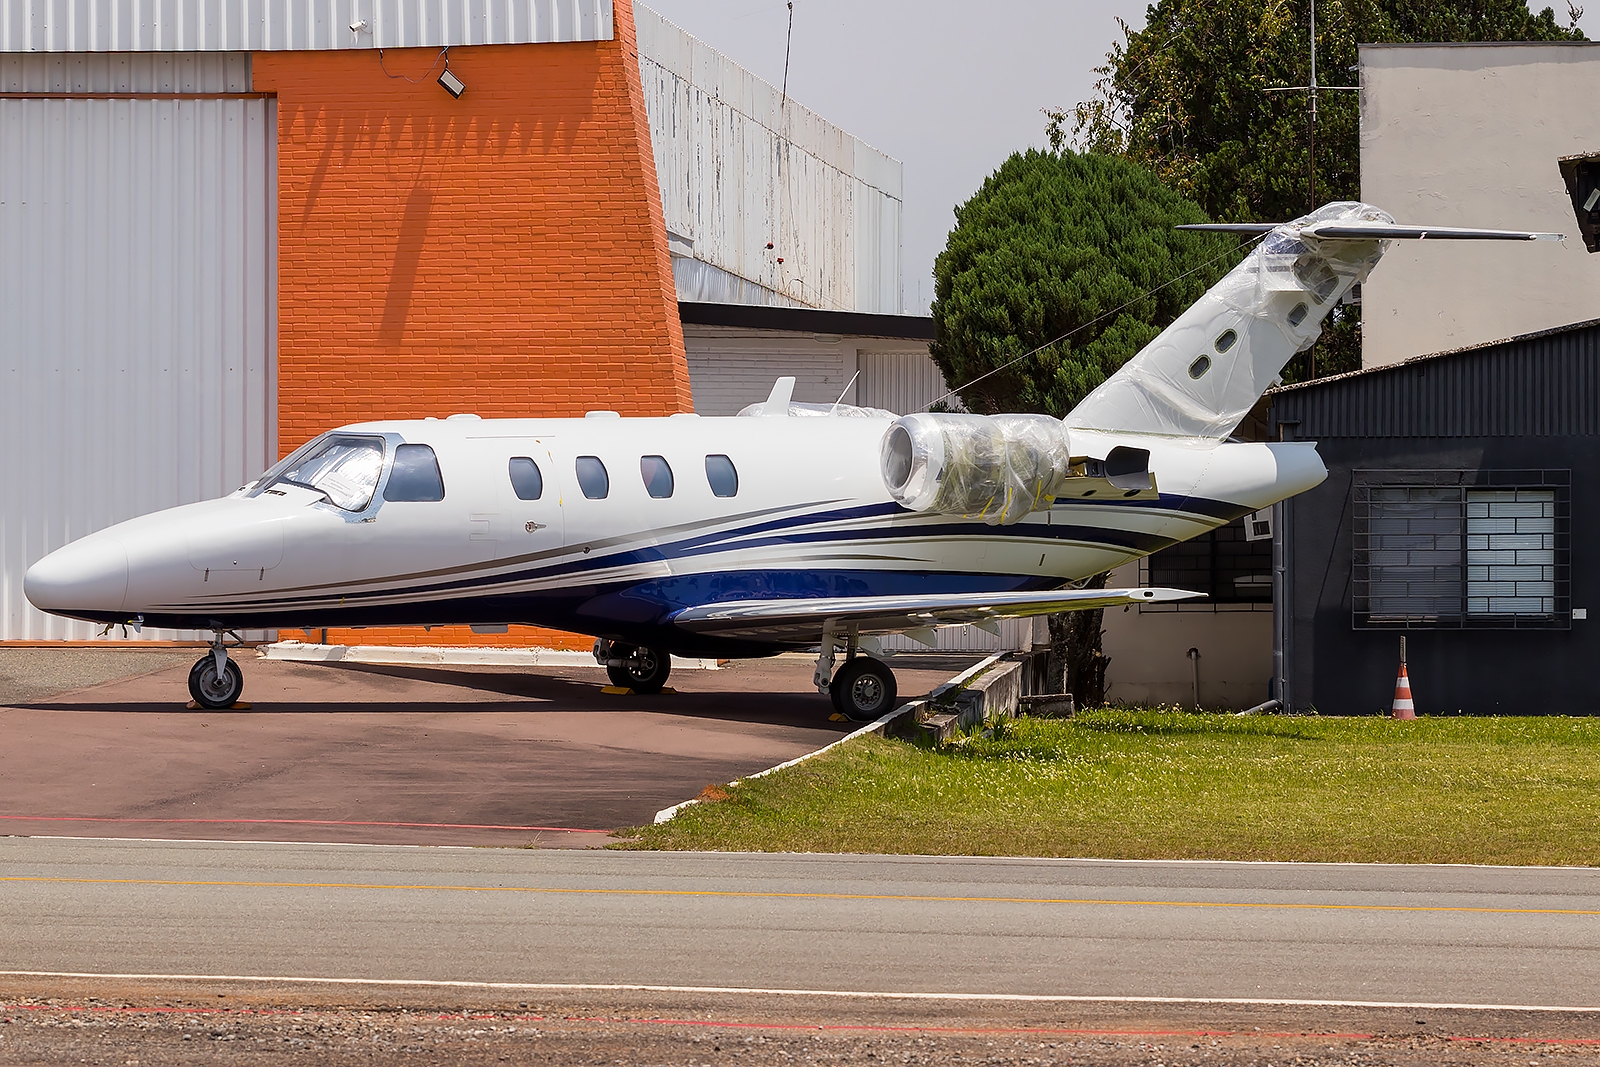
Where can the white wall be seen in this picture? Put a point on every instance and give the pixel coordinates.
(1468, 135)
(740, 167)
(1149, 650)
(137, 355)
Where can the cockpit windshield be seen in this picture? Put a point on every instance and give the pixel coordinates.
(343, 468)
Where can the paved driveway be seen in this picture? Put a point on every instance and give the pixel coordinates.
(391, 754)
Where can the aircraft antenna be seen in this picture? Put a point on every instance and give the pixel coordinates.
(836, 403)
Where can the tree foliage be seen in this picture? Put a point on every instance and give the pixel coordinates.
(1193, 97)
(1071, 254)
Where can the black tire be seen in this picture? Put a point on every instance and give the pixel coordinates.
(864, 689)
(644, 670)
(210, 691)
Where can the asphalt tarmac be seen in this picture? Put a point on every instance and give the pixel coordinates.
(840, 925)
(388, 754)
(190, 952)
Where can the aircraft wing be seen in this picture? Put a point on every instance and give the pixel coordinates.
(1376, 231)
(804, 618)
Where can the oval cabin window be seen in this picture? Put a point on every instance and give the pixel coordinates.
(1225, 340)
(1199, 366)
(657, 476)
(592, 477)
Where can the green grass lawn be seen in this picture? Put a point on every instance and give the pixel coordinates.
(1169, 784)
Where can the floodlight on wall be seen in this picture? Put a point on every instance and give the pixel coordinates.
(452, 84)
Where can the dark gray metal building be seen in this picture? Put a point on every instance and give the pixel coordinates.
(1461, 509)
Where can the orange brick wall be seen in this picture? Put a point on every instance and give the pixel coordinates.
(502, 253)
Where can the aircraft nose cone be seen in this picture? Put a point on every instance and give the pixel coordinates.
(90, 574)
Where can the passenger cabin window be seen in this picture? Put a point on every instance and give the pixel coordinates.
(723, 477)
(657, 476)
(526, 481)
(592, 477)
(415, 476)
(344, 469)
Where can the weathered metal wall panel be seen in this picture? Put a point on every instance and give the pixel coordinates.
(1546, 385)
(124, 72)
(902, 382)
(731, 368)
(293, 25)
(137, 358)
(1015, 635)
(741, 169)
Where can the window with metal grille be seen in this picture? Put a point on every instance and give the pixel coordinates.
(1221, 564)
(1482, 549)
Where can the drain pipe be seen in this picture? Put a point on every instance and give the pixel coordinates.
(1194, 669)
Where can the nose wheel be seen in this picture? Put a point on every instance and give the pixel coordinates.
(215, 681)
(644, 670)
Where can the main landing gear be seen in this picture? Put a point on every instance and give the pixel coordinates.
(215, 681)
(644, 670)
(864, 688)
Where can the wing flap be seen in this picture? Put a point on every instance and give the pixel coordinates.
(804, 618)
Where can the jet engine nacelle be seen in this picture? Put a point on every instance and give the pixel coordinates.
(994, 467)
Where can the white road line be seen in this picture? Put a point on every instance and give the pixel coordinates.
(857, 994)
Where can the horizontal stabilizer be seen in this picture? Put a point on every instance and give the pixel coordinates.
(1378, 231)
(800, 618)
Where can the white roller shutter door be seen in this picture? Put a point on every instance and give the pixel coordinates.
(137, 294)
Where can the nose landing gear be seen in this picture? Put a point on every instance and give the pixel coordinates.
(644, 670)
(215, 681)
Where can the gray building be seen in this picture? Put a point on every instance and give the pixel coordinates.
(1459, 509)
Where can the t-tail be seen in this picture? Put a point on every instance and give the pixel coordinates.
(1204, 373)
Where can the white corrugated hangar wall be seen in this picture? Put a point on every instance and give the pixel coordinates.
(137, 277)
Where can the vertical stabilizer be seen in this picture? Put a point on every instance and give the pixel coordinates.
(1205, 372)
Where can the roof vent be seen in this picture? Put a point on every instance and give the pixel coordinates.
(464, 416)
(601, 415)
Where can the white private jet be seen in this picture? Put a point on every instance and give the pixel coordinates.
(748, 535)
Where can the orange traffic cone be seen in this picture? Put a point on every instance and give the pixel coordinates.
(1403, 708)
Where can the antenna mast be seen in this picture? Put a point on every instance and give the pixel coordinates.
(1311, 117)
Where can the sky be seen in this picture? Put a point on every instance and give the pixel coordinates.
(948, 87)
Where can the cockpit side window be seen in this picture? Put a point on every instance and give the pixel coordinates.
(343, 468)
(415, 475)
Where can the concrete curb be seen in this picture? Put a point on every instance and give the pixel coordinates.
(877, 726)
(300, 652)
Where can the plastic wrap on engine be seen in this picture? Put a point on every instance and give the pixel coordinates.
(1272, 305)
(998, 467)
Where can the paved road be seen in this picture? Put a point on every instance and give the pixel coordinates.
(1455, 935)
(390, 754)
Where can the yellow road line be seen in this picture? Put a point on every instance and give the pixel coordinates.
(773, 895)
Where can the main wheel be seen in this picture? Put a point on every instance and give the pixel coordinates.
(644, 670)
(863, 689)
(211, 690)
